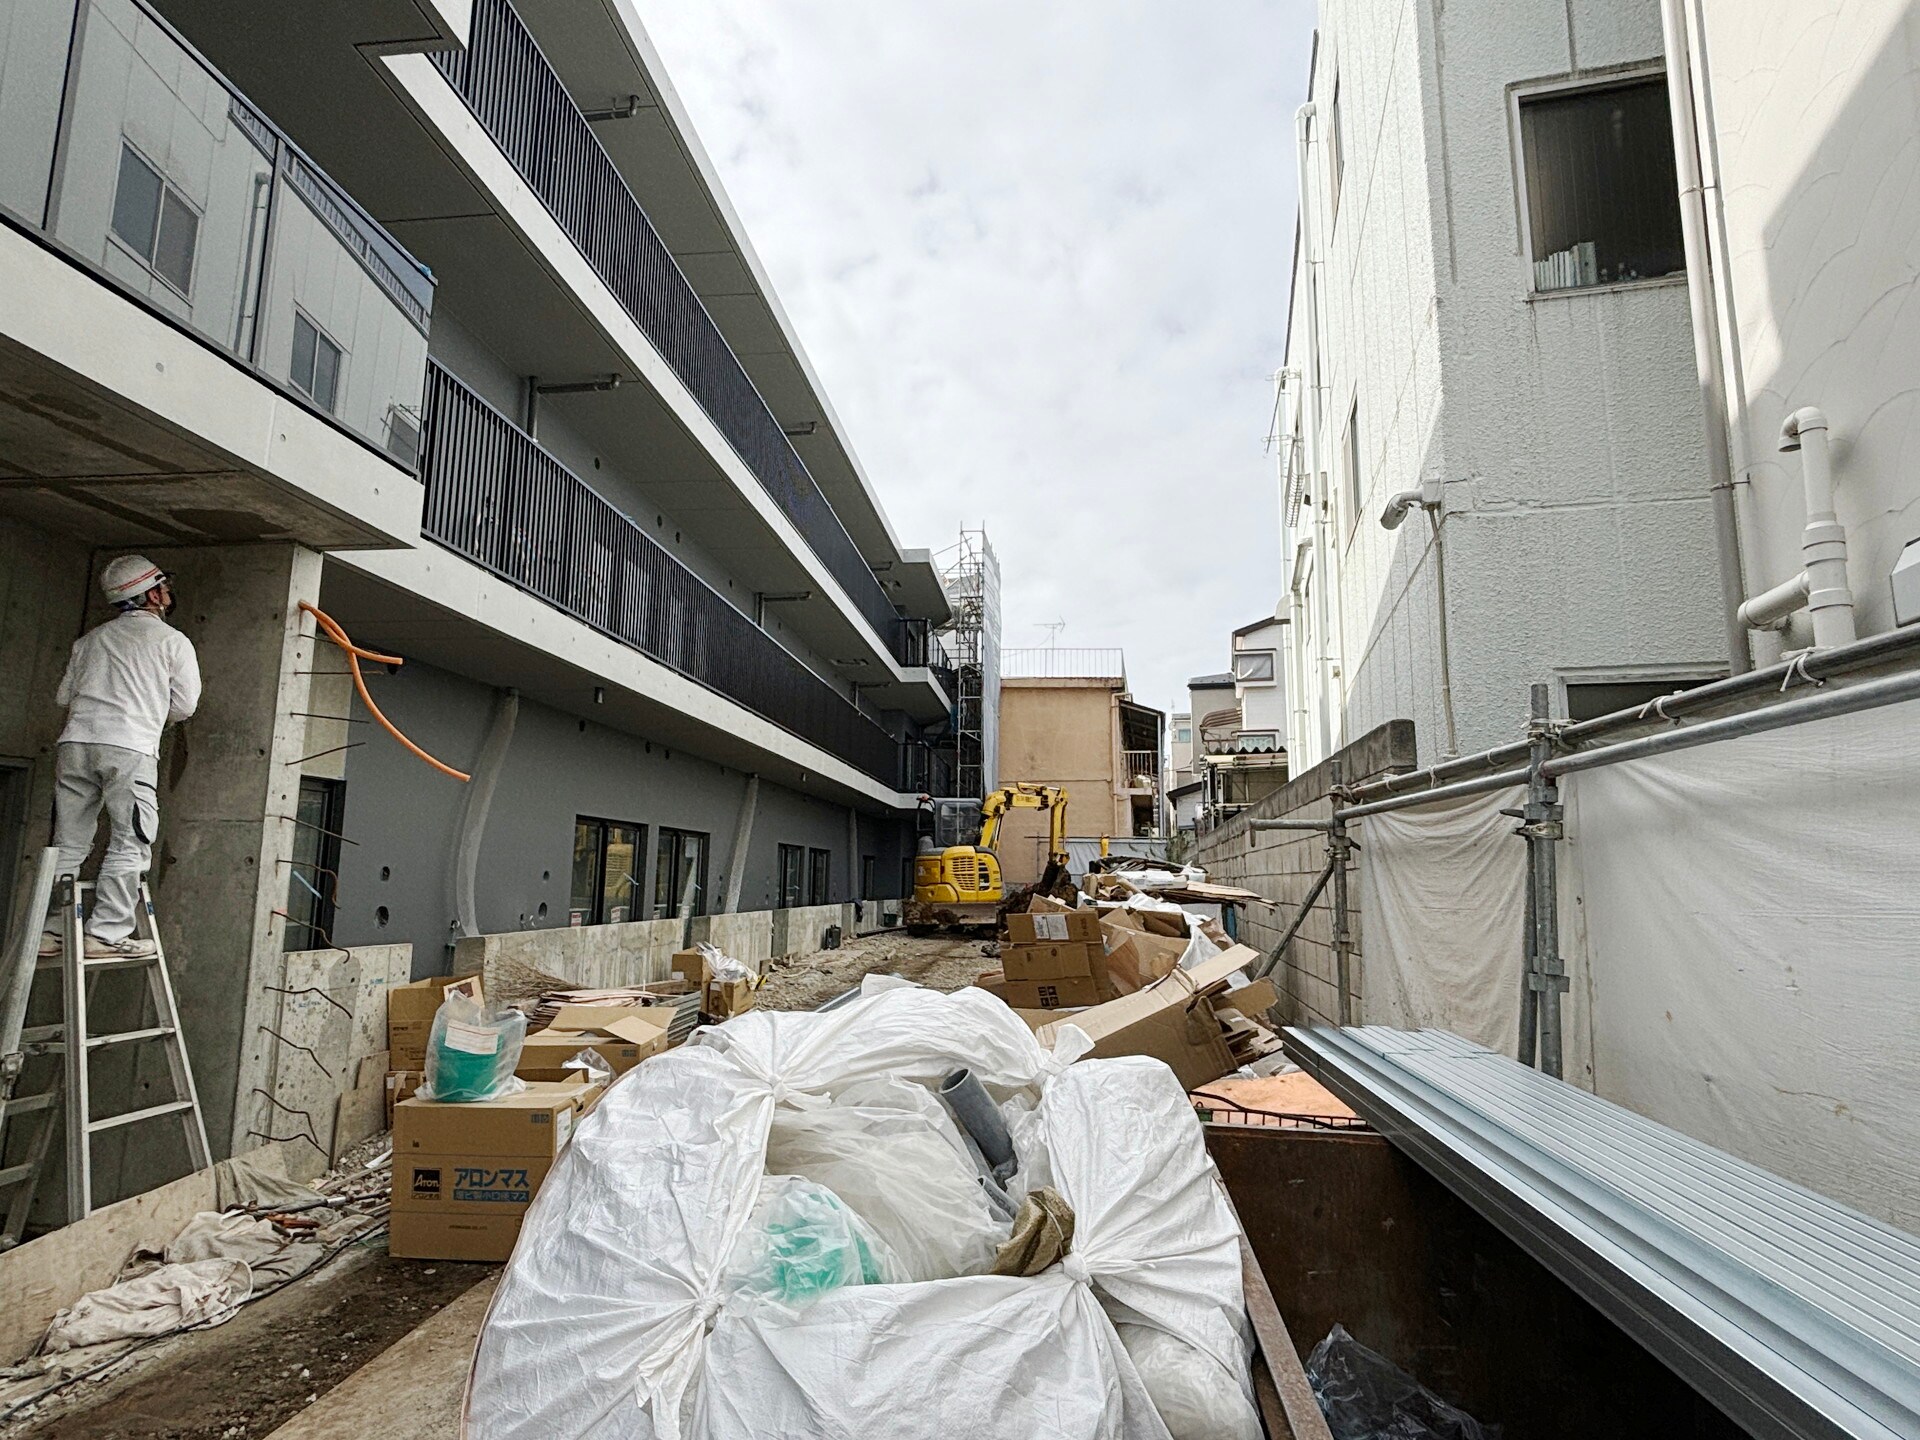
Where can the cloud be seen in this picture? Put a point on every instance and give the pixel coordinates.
(1039, 256)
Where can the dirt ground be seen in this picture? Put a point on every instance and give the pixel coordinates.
(940, 962)
(241, 1380)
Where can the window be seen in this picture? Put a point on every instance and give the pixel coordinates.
(680, 874)
(403, 435)
(819, 876)
(1336, 155)
(1183, 734)
(869, 878)
(313, 881)
(1350, 452)
(1589, 700)
(606, 872)
(793, 889)
(1253, 665)
(1602, 195)
(155, 221)
(316, 363)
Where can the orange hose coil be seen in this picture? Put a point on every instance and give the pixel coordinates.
(331, 629)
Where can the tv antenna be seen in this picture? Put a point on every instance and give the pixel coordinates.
(1053, 629)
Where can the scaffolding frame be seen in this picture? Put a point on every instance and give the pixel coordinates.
(971, 639)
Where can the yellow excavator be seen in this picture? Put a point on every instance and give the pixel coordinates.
(957, 885)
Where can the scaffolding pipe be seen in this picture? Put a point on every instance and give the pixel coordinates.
(1320, 825)
(1867, 695)
(1542, 826)
(1272, 957)
(1499, 781)
(1339, 849)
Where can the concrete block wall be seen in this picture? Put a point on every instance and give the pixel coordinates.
(1282, 865)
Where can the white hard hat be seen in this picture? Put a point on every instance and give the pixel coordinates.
(128, 577)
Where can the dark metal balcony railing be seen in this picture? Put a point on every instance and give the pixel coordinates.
(523, 104)
(494, 496)
(132, 153)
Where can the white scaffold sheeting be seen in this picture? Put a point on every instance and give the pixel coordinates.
(1442, 900)
(1753, 930)
(617, 1316)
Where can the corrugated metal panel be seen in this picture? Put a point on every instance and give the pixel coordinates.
(1794, 1314)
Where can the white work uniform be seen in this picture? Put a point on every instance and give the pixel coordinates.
(126, 681)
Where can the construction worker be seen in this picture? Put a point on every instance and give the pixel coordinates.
(126, 681)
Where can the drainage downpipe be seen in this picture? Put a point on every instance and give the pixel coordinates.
(473, 814)
(1322, 549)
(1706, 325)
(1822, 587)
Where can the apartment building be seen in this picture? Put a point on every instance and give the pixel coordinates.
(1238, 750)
(1067, 718)
(1493, 467)
(432, 316)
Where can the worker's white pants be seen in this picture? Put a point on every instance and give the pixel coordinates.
(85, 779)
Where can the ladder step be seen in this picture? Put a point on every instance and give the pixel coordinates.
(15, 1174)
(118, 962)
(41, 1034)
(27, 1104)
(113, 1122)
(129, 1037)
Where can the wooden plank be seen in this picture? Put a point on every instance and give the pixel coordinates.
(1279, 1379)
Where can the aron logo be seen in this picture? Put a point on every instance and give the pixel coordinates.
(426, 1184)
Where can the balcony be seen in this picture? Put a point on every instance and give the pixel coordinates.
(495, 497)
(121, 145)
(522, 104)
(1140, 772)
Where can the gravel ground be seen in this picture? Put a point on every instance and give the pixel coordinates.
(941, 962)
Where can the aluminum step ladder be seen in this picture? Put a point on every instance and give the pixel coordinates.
(66, 1102)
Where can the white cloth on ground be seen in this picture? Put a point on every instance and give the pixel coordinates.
(173, 1297)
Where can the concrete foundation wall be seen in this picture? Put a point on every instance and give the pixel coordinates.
(592, 957)
(395, 880)
(747, 937)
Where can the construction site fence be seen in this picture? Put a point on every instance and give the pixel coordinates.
(1696, 908)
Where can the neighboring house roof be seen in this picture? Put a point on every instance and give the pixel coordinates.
(1186, 789)
(1259, 624)
(1221, 681)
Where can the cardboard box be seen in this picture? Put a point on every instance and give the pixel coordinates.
(721, 999)
(410, 1010)
(1023, 999)
(463, 1175)
(1172, 1020)
(400, 1086)
(1135, 957)
(1044, 927)
(623, 1044)
(1068, 992)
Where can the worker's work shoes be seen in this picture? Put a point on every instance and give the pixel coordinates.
(128, 949)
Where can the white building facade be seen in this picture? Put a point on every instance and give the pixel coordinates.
(1489, 321)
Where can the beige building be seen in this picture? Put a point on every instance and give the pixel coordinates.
(1067, 719)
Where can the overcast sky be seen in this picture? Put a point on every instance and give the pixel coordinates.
(1038, 255)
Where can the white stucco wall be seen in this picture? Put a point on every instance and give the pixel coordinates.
(1566, 430)
(1816, 133)
(1263, 704)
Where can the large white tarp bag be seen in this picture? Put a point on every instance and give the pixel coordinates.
(614, 1317)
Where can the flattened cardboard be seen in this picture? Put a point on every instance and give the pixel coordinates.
(400, 1086)
(1053, 927)
(1135, 958)
(1255, 999)
(1171, 1020)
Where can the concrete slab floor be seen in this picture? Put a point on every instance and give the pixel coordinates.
(245, 1379)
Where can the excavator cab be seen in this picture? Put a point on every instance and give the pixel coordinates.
(956, 874)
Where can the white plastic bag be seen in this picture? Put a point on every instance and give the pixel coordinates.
(1196, 1398)
(473, 1050)
(887, 1159)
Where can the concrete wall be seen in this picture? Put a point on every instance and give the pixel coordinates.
(404, 817)
(1815, 105)
(1282, 866)
(1565, 428)
(1059, 732)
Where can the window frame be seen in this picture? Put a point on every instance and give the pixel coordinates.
(325, 867)
(598, 911)
(320, 336)
(869, 878)
(1672, 676)
(1272, 658)
(669, 839)
(1522, 91)
(1353, 490)
(149, 259)
(1336, 156)
(819, 876)
(791, 895)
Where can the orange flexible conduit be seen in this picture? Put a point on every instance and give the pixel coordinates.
(331, 629)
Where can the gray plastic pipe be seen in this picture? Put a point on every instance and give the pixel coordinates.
(974, 1110)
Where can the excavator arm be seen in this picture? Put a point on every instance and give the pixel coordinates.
(1027, 796)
